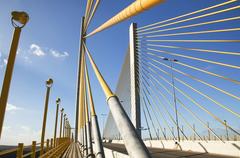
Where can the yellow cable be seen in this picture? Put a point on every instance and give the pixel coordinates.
(108, 92)
(190, 111)
(200, 41)
(167, 100)
(201, 81)
(196, 49)
(191, 25)
(211, 114)
(133, 9)
(193, 18)
(201, 70)
(206, 96)
(89, 92)
(193, 33)
(195, 58)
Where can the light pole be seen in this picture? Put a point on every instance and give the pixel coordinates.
(227, 135)
(64, 123)
(60, 134)
(56, 121)
(49, 83)
(19, 20)
(174, 94)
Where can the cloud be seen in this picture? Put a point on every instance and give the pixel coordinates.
(11, 107)
(5, 61)
(58, 54)
(36, 50)
(41, 51)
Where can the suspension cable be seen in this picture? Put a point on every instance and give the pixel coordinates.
(180, 81)
(206, 96)
(192, 18)
(170, 116)
(191, 33)
(149, 132)
(199, 80)
(195, 49)
(161, 114)
(172, 109)
(204, 71)
(187, 96)
(196, 58)
(191, 25)
(191, 13)
(167, 100)
(197, 41)
(158, 120)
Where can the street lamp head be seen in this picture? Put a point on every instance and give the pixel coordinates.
(49, 82)
(19, 18)
(62, 110)
(65, 115)
(58, 101)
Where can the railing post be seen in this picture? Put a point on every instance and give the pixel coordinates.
(51, 143)
(33, 155)
(20, 150)
(134, 80)
(47, 147)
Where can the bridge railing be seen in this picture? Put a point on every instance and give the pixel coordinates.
(33, 150)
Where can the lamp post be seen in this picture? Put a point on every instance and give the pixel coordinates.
(19, 20)
(49, 83)
(227, 135)
(64, 124)
(60, 134)
(56, 121)
(174, 93)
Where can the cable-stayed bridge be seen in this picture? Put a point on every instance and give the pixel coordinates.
(177, 94)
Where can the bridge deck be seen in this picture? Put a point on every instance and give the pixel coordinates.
(166, 153)
(73, 151)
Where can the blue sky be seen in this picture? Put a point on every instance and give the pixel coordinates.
(49, 48)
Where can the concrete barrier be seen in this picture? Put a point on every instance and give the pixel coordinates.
(229, 148)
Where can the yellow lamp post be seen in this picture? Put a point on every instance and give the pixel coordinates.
(56, 121)
(60, 134)
(19, 20)
(49, 83)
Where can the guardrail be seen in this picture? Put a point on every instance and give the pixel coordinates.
(50, 150)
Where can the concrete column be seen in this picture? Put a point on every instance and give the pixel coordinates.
(85, 150)
(134, 144)
(134, 80)
(89, 140)
(99, 152)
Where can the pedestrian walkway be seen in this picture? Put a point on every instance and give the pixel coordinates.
(73, 151)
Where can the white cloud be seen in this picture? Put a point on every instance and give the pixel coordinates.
(5, 61)
(58, 54)
(36, 50)
(11, 107)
